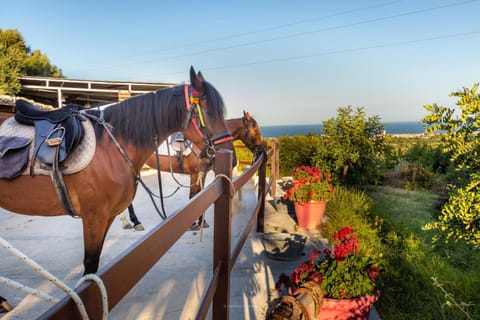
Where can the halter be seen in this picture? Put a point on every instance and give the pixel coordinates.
(192, 102)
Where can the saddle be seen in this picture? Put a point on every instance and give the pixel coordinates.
(57, 134)
(54, 128)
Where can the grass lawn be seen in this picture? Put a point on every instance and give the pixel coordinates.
(422, 280)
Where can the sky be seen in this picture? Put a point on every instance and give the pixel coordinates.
(285, 62)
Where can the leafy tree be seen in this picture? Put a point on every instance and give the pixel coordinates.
(16, 59)
(355, 146)
(38, 64)
(12, 54)
(459, 128)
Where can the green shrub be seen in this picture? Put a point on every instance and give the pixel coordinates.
(299, 150)
(352, 207)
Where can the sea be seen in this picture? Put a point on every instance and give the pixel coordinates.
(407, 127)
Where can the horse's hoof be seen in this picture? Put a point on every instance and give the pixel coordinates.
(139, 227)
(194, 227)
(5, 306)
(127, 226)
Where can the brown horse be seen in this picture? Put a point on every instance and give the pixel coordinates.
(245, 129)
(107, 185)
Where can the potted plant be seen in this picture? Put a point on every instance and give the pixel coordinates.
(311, 190)
(347, 279)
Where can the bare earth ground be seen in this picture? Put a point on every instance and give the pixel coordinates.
(174, 287)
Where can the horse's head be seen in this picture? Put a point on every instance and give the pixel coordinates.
(252, 138)
(207, 128)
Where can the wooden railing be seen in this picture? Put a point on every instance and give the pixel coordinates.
(273, 160)
(122, 274)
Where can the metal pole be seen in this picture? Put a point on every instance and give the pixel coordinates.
(59, 97)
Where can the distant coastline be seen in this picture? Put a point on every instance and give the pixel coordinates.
(394, 128)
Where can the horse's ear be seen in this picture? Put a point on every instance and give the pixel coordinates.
(246, 115)
(200, 76)
(196, 81)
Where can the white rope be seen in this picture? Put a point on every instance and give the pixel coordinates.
(54, 280)
(34, 292)
(199, 181)
(103, 291)
(220, 175)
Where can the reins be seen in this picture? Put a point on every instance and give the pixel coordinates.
(163, 215)
(125, 156)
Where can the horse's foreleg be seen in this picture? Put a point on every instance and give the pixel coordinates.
(94, 231)
(196, 187)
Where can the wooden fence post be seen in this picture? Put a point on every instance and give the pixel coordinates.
(274, 166)
(222, 235)
(262, 173)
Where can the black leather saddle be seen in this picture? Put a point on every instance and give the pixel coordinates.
(61, 127)
(57, 133)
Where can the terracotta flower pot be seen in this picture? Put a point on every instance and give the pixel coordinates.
(310, 214)
(347, 309)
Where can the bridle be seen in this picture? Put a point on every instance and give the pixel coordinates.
(192, 102)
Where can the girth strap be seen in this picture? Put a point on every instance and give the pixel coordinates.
(60, 187)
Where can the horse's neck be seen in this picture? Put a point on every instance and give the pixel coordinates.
(236, 128)
(138, 156)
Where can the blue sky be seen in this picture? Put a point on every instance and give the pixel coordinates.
(286, 62)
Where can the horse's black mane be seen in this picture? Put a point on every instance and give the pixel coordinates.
(137, 119)
(216, 107)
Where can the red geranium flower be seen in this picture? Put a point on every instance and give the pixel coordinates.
(310, 184)
(342, 272)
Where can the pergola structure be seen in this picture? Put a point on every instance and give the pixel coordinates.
(88, 93)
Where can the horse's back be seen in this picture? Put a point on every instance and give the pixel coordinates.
(106, 177)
